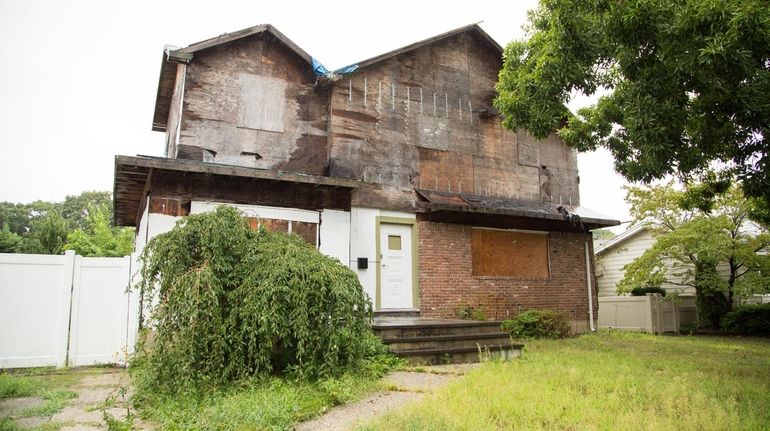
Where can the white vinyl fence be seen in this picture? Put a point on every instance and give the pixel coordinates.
(650, 313)
(65, 310)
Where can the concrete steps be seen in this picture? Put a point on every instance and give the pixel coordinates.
(439, 341)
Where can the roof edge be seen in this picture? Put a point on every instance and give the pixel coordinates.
(622, 237)
(428, 41)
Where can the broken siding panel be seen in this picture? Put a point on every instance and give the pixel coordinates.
(175, 112)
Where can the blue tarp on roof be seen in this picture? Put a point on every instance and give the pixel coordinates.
(320, 70)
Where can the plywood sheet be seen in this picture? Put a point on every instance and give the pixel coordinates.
(509, 253)
(261, 104)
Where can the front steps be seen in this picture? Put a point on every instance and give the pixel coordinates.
(441, 341)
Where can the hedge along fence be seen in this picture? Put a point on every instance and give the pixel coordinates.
(748, 320)
(237, 303)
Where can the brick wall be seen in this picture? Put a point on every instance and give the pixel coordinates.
(446, 282)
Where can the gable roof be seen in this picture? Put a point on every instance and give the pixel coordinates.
(173, 55)
(623, 237)
(474, 28)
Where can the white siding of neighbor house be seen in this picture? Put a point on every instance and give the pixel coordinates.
(610, 263)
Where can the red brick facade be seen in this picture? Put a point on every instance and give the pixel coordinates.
(446, 282)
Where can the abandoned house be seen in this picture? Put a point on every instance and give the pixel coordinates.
(399, 167)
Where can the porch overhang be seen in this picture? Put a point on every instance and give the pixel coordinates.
(136, 177)
(468, 208)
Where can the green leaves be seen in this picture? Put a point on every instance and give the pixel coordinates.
(98, 237)
(687, 84)
(704, 239)
(233, 303)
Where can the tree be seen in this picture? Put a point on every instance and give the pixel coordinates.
(77, 208)
(233, 303)
(682, 84)
(44, 227)
(692, 245)
(10, 242)
(47, 234)
(98, 238)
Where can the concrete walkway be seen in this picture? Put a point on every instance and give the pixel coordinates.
(404, 387)
(97, 394)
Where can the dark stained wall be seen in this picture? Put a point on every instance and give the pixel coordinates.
(252, 103)
(420, 120)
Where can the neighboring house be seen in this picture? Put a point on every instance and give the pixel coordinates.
(613, 255)
(400, 169)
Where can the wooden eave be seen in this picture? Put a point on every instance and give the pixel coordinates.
(431, 40)
(463, 203)
(172, 56)
(132, 176)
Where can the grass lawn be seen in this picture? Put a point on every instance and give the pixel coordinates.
(607, 381)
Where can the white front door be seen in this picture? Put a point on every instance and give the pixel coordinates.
(396, 290)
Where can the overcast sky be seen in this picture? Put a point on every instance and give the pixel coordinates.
(78, 78)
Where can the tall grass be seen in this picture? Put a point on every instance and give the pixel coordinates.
(607, 381)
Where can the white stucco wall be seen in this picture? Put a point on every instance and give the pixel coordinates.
(334, 235)
(363, 243)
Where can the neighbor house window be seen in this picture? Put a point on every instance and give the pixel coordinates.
(508, 253)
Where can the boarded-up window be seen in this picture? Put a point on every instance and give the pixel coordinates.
(509, 253)
(307, 231)
(261, 102)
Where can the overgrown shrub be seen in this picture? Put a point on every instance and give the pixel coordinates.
(641, 291)
(748, 320)
(538, 324)
(234, 303)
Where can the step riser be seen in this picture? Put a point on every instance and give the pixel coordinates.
(404, 313)
(386, 332)
(462, 358)
(442, 344)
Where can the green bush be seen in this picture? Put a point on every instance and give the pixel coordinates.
(538, 324)
(641, 291)
(234, 303)
(748, 320)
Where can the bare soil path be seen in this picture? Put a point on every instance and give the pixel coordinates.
(404, 387)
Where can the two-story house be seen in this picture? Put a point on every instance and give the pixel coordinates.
(400, 169)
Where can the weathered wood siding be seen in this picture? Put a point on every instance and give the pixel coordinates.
(417, 120)
(252, 103)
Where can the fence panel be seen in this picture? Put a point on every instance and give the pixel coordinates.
(631, 313)
(650, 313)
(34, 309)
(100, 311)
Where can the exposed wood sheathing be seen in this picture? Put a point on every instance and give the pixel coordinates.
(411, 120)
(223, 82)
(419, 117)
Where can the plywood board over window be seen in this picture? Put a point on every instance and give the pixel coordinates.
(307, 231)
(261, 102)
(506, 253)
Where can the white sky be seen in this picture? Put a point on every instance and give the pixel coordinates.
(78, 78)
